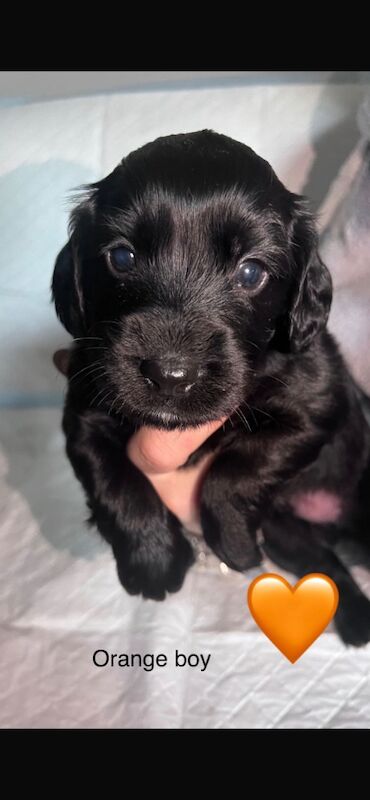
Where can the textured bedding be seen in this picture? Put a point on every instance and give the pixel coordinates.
(60, 600)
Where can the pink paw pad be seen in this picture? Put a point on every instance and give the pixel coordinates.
(317, 506)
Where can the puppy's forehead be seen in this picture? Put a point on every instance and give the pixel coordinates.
(158, 215)
(194, 163)
(202, 181)
(197, 151)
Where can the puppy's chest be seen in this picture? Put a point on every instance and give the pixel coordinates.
(247, 427)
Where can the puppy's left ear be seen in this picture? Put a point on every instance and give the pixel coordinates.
(67, 282)
(66, 291)
(312, 294)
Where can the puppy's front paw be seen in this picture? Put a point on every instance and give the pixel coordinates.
(153, 571)
(352, 620)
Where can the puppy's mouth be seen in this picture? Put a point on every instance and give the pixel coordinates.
(171, 389)
(169, 421)
(181, 412)
(164, 419)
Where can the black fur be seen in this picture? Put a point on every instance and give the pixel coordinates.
(192, 207)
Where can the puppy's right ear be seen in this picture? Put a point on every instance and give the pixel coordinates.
(66, 291)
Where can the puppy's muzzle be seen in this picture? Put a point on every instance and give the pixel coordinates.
(170, 377)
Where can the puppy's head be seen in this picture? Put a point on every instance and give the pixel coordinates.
(188, 264)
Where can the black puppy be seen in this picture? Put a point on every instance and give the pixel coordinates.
(193, 288)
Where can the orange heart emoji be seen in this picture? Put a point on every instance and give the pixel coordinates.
(292, 617)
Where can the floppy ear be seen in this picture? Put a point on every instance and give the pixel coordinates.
(312, 293)
(66, 287)
(66, 291)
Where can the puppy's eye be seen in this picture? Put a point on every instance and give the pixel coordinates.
(122, 258)
(251, 275)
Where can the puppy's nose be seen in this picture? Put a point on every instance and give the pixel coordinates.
(170, 377)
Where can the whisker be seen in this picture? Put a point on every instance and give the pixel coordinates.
(279, 380)
(98, 394)
(249, 409)
(238, 415)
(261, 411)
(253, 344)
(119, 410)
(245, 420)
(92, 367)
(88, 338)
(103, 399)
(111, 407)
